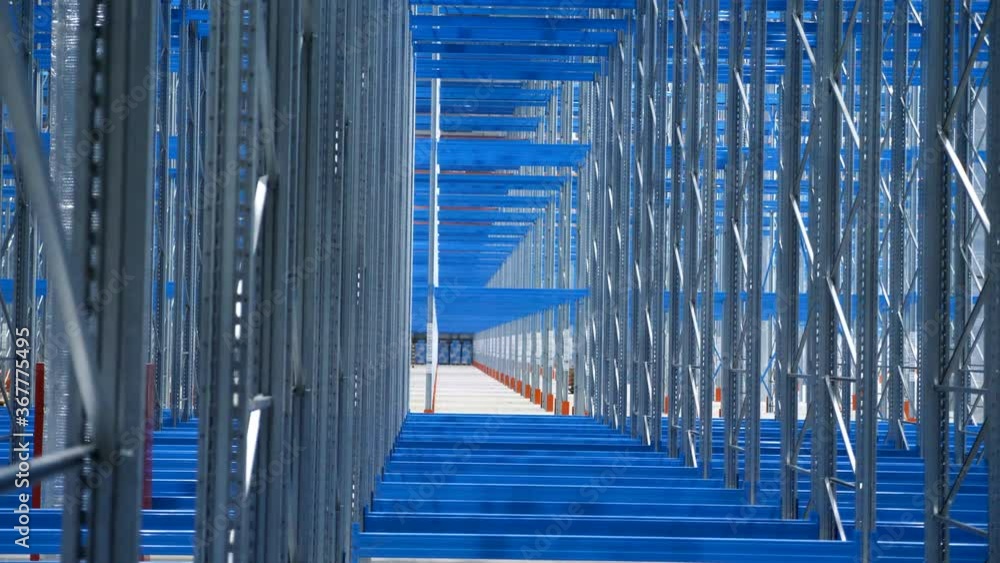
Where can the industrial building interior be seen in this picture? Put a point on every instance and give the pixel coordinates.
(489, 280)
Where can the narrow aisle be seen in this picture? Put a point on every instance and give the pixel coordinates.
(465, 389)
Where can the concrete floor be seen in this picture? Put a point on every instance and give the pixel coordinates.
(465, 389)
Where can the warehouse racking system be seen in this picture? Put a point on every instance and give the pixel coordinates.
(750, 245)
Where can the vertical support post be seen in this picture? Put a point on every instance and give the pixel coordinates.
(308, 389)
(868, 275)
(732, 355)
(565, 254)
(333, 272)
(708, 257)
(599, 234)
(789, 192)
(314, 527)
(181, 242)
(432, 241)
(847, 201)
(823, 229)
(961, 378)
(274, 344)
(935, 204)
(657, 347)
(581, 330)
(346, 373)
(530, 265)
(548, 355)
(525, 251)
(538, 335)
(112, 230)
(755, 229)
(602, 322)
(161, 210)
(586, 309)
(226, 280)
(897, 222)
(185, 276)
(621, 157)
(991, 317)
(676, 222)
(691, 150)
(647, 284)
(638, 363)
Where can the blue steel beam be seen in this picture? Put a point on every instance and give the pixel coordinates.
(484, 69)
(473, 154)
(454, 123)
(529, 23)
(542, 50)
(526, 35)
(560, 4)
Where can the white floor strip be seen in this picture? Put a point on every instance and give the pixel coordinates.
(465, 389)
